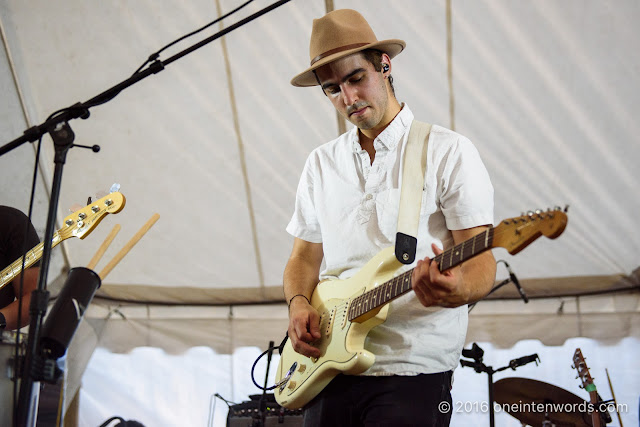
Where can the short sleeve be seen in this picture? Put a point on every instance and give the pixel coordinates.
(304, 222)
(466, 199)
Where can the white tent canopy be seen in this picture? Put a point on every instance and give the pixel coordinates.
(215, 144)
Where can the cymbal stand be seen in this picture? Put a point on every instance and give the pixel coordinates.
(547, 418)
(476, 353)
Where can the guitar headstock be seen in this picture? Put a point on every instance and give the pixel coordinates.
(82, 222)
(580, 365)
(514, 234)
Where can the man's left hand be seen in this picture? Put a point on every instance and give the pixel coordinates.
(433, 287)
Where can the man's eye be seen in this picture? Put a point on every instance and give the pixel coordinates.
(333, 90)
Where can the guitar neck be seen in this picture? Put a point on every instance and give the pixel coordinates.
(595, 415)
(401, 284)
(32, 256)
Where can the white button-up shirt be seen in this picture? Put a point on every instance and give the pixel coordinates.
(350, 205)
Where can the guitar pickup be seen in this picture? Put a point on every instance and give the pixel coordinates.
(344, 308)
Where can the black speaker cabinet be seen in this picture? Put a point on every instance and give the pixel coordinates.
(247, 414)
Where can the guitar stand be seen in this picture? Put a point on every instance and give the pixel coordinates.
(476, 353)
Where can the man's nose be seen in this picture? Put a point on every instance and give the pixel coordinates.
(350, 95)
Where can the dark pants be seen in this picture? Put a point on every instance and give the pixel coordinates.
(382, 401)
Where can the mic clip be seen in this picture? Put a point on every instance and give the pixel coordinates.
(521, 361)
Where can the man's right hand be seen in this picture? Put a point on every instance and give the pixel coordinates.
(304, 327)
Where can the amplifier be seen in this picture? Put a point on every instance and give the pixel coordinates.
(247, 414)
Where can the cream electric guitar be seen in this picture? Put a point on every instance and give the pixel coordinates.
(350, 308)
(78, 224)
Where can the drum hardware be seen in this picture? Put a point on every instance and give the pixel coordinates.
(476, 353)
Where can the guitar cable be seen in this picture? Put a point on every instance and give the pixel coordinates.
(153, 57)
(270, 349)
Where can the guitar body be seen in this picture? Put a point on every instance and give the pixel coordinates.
(350, 308)
(342, 341)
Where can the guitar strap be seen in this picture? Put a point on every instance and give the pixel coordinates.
(415, 165)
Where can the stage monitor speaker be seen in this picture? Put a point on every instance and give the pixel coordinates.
(247, 414)
(270, 421)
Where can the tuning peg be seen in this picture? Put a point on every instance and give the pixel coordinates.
(566, 208)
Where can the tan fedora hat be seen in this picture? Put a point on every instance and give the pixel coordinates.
(338, 34)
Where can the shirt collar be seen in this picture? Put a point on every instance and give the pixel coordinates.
(392, 134)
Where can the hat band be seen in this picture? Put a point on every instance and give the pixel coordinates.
(336, 50)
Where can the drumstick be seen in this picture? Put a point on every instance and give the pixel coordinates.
(135, 239)
(103, 248)
(614, 397)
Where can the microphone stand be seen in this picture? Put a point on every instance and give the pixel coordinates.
(62, 134)
(262, 411)
(480, 367)
(495, 288)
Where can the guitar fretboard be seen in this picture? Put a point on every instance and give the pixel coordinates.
(401, 284)
(12, 270)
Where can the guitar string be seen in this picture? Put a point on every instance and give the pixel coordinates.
(361, 302)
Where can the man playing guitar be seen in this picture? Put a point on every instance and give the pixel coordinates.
(346, 211)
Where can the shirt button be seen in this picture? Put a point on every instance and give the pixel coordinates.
(368, 197)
